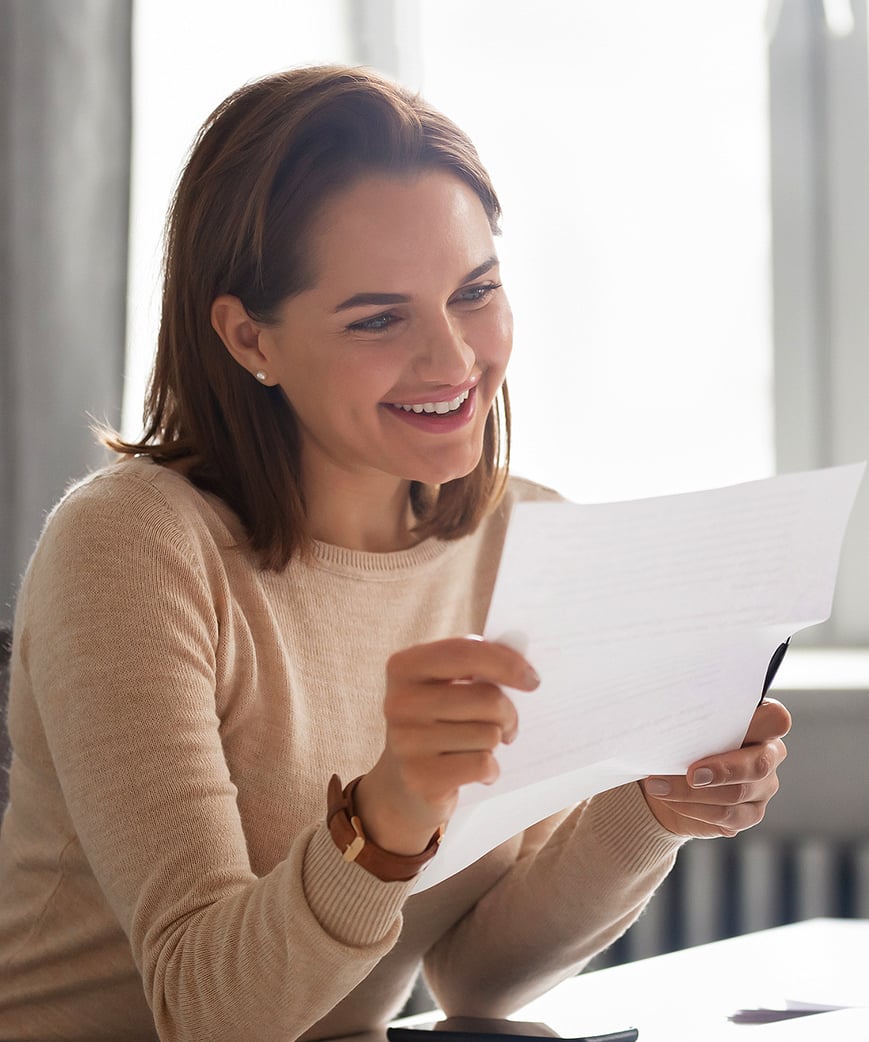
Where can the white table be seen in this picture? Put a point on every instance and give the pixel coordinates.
(687, 996)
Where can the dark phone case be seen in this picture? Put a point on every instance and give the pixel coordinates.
(398, 1034)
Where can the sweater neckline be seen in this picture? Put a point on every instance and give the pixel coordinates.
(327, 556)
(363, 562)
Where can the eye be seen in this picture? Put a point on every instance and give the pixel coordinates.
(478, 294)
(375, 324)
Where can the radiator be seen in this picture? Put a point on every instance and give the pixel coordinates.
(721, 888)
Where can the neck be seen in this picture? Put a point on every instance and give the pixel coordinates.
(374, 516)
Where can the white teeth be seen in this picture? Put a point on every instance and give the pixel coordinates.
(441, 408)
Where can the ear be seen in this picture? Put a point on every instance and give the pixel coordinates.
(239, 333)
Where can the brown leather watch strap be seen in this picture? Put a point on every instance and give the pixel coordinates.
(346, 829)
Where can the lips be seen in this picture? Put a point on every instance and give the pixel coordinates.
(438, 417)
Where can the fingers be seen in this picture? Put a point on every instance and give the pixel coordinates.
(736, 776)
(725, 794)
(770, 720)
(446, 714)
(463, 657)
(761, 753)
(461, 702)
(446, 700)
(741, 769)
(713, 811)
(709, 820)
(450, 771)
(456, 681)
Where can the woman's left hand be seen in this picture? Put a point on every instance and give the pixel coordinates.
(725, 794)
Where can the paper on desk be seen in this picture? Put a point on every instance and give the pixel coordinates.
(651, 624)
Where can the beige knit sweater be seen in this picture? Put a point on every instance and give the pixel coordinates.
(165, 870)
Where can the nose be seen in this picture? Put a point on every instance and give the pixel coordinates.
(442, 355)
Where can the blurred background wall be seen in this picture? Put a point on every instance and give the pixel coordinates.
(65, 124)
(686, 230)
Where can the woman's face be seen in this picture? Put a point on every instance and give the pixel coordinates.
(392, 360)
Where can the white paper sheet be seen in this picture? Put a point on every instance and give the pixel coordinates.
(651, 624)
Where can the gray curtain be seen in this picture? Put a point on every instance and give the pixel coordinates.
(65, 114)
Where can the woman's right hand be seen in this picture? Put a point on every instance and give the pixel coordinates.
(445, 716)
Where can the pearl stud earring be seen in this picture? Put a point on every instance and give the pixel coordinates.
(261, 376)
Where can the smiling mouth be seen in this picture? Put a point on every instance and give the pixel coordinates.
(437, 408)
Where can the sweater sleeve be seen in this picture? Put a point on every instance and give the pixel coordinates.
(579, 882)
(119, 645)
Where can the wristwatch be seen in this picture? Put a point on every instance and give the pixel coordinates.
(346, 829)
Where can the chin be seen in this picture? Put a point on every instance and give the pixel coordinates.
(436, 477)
(440, 467)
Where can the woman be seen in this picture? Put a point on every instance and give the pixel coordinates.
(274, 587)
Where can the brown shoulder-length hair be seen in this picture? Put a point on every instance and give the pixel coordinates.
(259, 171)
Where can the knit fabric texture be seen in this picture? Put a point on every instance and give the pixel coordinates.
(176, 713)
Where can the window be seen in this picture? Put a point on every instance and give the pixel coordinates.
(819, 94)
(629, 142)
(187, 58)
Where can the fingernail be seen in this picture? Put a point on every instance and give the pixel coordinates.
(532, 679)
(657, 787)
(702, 776)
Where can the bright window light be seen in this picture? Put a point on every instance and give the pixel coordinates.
(187, 58)
(629, 145)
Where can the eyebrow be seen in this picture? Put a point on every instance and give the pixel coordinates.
(360, 299)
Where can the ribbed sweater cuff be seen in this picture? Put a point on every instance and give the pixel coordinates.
(351, 904)
(627, 828)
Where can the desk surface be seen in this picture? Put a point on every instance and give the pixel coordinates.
(688, 995)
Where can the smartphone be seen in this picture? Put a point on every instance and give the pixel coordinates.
(480, 1029)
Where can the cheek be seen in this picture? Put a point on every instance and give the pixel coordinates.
(309, 386)
(495, 343)
(365, 374)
